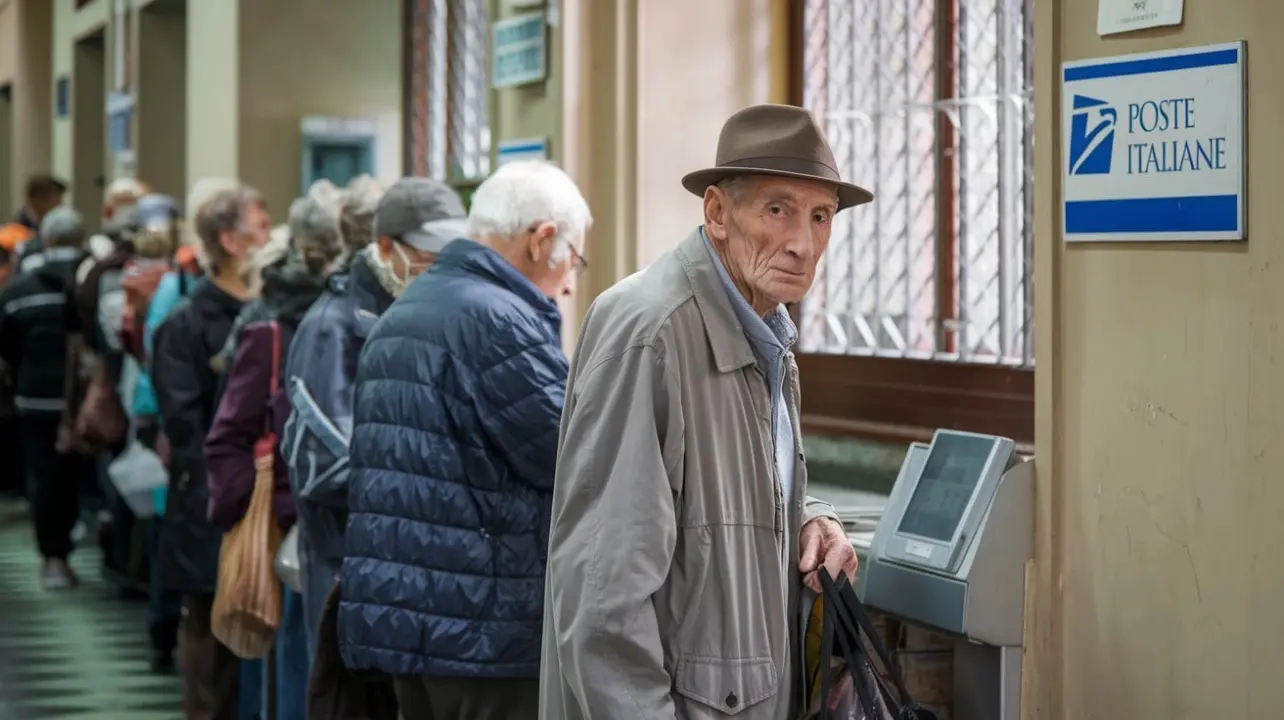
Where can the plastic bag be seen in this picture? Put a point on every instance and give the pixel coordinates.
(287, 561)
(136, 474)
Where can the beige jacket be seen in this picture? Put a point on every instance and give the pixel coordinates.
(672, 568)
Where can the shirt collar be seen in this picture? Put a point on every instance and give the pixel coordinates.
(775, 331)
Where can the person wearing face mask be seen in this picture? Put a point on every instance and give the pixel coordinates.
(459, 394)
(231, 224)
(321, 365)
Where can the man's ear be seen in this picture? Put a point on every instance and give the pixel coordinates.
(543, 235)
(716, 207)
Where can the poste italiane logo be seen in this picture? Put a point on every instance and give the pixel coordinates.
(1092, 136)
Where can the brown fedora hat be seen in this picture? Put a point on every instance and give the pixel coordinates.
(780, 140)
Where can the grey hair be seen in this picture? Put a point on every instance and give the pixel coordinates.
(223, 211)
(735, 187)
(314, 226)
(62, 227)
(357, 211)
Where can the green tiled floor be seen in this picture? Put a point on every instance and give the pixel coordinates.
(80, 654)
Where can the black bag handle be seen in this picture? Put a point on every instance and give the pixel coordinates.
(851, 653)
(851, 613)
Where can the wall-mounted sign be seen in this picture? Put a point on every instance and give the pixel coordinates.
(528, 149)
(519, 50)
(1120, 16)
(120, 117)
(62, 97)
(1154, 146)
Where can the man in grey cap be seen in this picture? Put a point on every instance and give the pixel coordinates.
(416, 218)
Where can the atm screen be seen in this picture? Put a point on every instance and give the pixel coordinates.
(950, 476)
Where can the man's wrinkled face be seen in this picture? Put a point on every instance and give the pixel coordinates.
(771, 233)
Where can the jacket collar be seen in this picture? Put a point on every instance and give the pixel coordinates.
(484, 263)
(217, 299)
(369, 297)
(731, 349)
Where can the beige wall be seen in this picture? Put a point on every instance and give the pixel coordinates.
(32, 93)
(213, 101)
(315, 57)
(1159, 424)
(8, 40)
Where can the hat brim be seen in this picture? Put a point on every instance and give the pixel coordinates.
(849, 195)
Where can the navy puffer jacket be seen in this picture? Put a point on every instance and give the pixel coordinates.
(459, 395)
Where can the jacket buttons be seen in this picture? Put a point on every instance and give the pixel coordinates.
(732, 700)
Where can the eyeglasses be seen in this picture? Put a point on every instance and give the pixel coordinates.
(578, 262)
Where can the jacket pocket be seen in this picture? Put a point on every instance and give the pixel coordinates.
(725, 687)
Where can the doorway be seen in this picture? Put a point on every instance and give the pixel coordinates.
(89, 129)
(161, 103)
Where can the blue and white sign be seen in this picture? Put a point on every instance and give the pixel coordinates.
(527, 149)
(1155, 146)
(519, 50)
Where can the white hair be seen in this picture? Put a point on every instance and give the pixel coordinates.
(124, 191)
(523, 194)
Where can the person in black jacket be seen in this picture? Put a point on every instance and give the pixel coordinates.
(33, 341)
(231, 224)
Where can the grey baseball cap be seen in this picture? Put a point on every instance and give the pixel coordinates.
(421, 213)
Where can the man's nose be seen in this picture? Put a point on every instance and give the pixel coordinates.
(801, 242)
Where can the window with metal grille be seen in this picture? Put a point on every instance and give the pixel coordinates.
(928, 103)
(458, 114)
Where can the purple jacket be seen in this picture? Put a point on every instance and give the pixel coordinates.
(243, 414)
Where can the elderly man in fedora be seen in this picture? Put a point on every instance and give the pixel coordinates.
(682, 532)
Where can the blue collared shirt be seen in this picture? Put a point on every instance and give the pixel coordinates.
(771, 338)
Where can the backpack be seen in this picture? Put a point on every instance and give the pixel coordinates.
(140, 281)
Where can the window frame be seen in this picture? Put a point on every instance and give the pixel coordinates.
(901, 400)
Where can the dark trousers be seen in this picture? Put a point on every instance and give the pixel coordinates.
(53, 485)
(13, 475)
(447, 698)
(164, 607)
(210, 671)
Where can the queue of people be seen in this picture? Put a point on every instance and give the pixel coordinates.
(484, 527)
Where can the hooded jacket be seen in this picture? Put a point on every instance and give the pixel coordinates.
(34, 311)
(320, 376)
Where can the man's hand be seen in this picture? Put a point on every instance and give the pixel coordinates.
(824, 544)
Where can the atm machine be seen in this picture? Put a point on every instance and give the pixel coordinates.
(950, 553)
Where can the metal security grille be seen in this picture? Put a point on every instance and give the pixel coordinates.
(929, 104)
(469, 111)
(458, 117)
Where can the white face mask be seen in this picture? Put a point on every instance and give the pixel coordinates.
(389, 279)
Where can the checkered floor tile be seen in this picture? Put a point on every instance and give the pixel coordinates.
(80, 654)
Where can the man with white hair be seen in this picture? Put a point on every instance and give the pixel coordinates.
(33, 341)
(458, 399)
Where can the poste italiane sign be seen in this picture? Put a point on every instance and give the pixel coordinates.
(1154, 146)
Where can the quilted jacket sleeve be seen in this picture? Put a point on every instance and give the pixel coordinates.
(521, 390)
